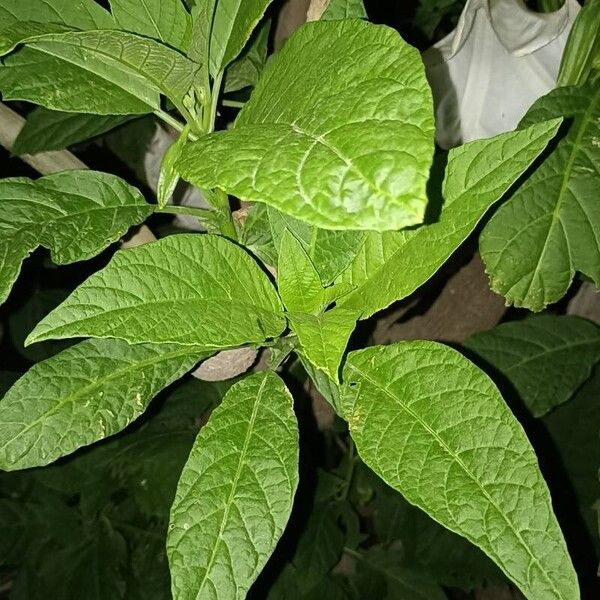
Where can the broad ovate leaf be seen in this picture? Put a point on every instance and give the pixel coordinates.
(81, 14)
(81, 395)
(132, 71)
(392, 265)
(338, 132)
(190, 289)
(297, 279)
(435, 428)
(548, 230)
(323, 338)
(165, 20)
(235, 493)
(52, 130)
(546, 358)
(75, 214)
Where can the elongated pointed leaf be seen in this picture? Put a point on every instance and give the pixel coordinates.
(163, 20)
(393, 265)
(133, 70)
(52, 130)
(548, 230)
(82, 14)
(232, 25)
(85, 393)
(330, 251)
(342, 122)
(246, 70)
(197, 290)
(435, 428)
(75, 214)
(323, 338)
(546, 358)
(297, 279)
(235, 493)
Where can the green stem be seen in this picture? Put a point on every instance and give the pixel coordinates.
(173, 122)
(233, 103)
(209, 126)
(202, 213)
(221, 204)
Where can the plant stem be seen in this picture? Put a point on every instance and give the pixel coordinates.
(214, 100)
(221, 203)
(174, 123)
(202, 213)
(233, 103)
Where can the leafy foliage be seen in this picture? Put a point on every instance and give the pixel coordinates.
(319, 134)
(549, 229)
(343, 208)
(75, 214)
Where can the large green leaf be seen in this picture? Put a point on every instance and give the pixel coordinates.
(338, 132)
(297, 279)
(235, 493)
(232, 24)
(83, 394)
(52, 130)
(75, 214)
(545, 358)
(392, 265)
(330, 251)
(344, 9)
(82, 14)
(435, 428)
(323, 338)
(163, 20)
(131, 71)
(198, 290)
(549, 229)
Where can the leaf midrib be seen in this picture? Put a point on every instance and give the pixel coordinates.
(467, 471)
(185, 350)
(230, 498)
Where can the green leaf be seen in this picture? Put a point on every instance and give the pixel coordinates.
(392, 265)
(163, 20)
(91, 567)
(573, 428)
(52, 130)
(202, 18)
(169, 177)
(582, 50)
(82, 14)
(232, 24)
(379, 575)
(435, 428)
(323, 338)
(197, 290)
(149, 461)
(236, 491)
(131, 71)
(75, 214)
(431, 13)
(24, 318)
(255, 234)
(245, 71)
(546, 358)
(85, 393)
(344, 9)
(330, 251)
(548, 230)
(320, 546)
(335, 89)
(297, 279)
